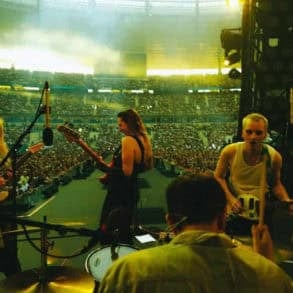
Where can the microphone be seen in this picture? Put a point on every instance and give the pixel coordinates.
(47, 131)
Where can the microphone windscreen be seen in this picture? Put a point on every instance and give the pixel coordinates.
(48, 136)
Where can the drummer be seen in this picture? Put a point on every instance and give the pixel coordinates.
(201, 257)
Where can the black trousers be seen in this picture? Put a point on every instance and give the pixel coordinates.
(119, 209)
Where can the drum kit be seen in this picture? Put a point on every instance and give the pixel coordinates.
(51, 279)
(99, 260)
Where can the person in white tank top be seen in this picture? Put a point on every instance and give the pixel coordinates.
(244, 163)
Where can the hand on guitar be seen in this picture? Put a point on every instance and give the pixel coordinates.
(262, 241)
(235, 205)
(245, 206)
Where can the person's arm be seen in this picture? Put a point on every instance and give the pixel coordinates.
(278, 188)
(220, 173)
(262, 242)
(107, 168)
(128, 150)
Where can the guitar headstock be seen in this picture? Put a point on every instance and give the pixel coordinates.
(35, 148)
(70, 134)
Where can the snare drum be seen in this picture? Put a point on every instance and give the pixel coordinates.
(99, 260)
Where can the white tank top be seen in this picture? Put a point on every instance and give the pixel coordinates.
(246, 179)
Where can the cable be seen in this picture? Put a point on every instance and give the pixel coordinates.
(81, 251)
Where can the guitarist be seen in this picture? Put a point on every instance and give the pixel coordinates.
(9, 263)
(242, 166)
(133, 156)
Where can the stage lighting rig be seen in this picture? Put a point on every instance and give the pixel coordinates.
(231, 40)
(234, 73)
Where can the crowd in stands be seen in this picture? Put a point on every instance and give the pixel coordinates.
(191, 146)
(187, 129)
(16, 78)
(198, 107)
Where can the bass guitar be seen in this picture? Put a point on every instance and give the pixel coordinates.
(5, 178)
(73, 136)
(251, 206)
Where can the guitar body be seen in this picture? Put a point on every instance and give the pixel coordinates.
(250, 207)
(240, 223)
(250, 204)
(105, 178)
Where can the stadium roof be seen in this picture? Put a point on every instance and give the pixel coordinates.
(143, 6)
(156, 34)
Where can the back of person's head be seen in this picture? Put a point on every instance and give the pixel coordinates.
(137, 127)
(198, 199)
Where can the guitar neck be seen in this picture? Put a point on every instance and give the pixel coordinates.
(19, 162)
(87, 149)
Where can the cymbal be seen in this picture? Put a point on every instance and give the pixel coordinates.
(70, 223)
(56, 279)
(21, 231)
(35, 229)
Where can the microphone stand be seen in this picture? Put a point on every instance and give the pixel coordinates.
(48, 226)
(9, 207)
(44, 250)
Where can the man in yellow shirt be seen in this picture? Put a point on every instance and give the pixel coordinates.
(201, 258)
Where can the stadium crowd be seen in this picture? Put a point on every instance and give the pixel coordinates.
(187, 128)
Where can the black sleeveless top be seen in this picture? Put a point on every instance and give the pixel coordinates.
(138, 167)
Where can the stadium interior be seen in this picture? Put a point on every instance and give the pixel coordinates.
(164, 58)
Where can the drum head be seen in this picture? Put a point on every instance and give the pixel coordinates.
(99, 260)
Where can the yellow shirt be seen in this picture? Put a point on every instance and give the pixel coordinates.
(199, 262)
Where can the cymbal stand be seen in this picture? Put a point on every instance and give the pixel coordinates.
(44, 249)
